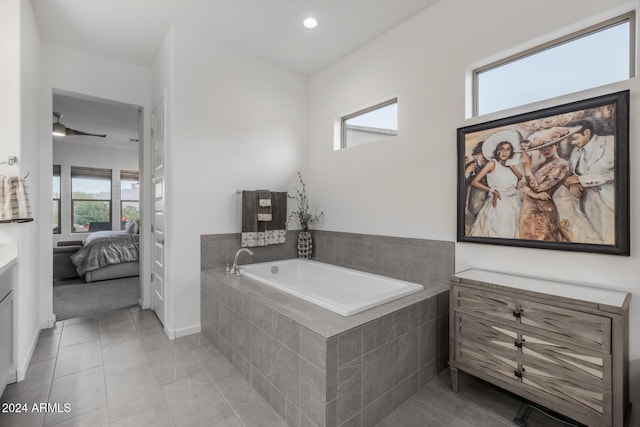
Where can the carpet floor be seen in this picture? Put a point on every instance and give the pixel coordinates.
(75, 298)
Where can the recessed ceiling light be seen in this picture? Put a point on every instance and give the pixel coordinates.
(310, 23)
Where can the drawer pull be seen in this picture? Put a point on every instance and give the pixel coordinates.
(518, 373)
(518, 343)
(517, 313)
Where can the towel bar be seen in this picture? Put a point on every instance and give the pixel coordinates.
(10, 161)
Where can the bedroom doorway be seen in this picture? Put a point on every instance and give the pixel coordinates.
(96, 205)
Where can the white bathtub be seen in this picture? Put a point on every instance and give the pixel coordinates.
(341, 290)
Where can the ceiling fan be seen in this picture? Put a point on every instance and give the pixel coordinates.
(61, 130)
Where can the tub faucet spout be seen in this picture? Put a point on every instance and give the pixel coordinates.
(234, 268)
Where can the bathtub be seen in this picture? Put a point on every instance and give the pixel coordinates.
(341, 290)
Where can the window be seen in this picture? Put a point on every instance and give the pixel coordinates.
(55, 191)
(129, 197)
(90, 199)
(594, 57)
(373, 123)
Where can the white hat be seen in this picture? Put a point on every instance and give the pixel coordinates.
(542, 138)
(513, 137)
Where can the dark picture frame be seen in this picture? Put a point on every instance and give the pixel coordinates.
(565, 198)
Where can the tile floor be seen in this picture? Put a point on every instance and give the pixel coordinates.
(119, 369)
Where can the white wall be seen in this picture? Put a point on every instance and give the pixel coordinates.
(70, 71)
(19, 78)
(73, 152)
(237, 123)
(408, 187)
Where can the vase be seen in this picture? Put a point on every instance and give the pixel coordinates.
(305, 245)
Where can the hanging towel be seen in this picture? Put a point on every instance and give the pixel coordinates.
(264, 205)
(256, 232)
(14, 200)
(249, 233)
(277, 229)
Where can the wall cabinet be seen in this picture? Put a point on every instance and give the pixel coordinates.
(561, 345)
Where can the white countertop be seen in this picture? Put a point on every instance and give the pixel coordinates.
(8, 257)
(569, 290)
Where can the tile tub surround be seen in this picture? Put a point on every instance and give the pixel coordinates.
(415, 260)
(218, 249)
(315, 367)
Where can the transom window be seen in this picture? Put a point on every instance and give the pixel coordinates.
(373, 123)
(596, 56)
(90, 199)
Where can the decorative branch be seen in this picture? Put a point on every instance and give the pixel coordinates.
(302, 214)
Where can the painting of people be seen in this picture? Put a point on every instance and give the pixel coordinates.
(553, 179)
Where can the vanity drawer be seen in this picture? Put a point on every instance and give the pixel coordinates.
(569, 326)
(484, 304)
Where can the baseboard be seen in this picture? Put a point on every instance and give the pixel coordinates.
(10, 378)
(182, 332)
(23, 365)
(48, 324)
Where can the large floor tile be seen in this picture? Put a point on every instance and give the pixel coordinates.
(46, 348)
(25, 416)
(37, 382)
(84, 392)
(146, 322)
(55, 330)
(80, 332)
(214, 363)
(132, 391)
(157, 416)
(449, 410)
(97, 418)
(178, 363)
(251, 408)
(116, 331)
(78, 357)
(196, 401)
(157, 346)
(114, 316)
(409, 414)
(133, 375)
(123, 355)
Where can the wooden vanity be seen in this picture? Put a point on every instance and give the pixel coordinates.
(561, 345)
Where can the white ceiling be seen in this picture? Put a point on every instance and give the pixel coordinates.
(132, 31)
(118, 121)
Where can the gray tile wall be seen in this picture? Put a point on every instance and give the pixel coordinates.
(353, 379)
(414, 260)
(218, 249)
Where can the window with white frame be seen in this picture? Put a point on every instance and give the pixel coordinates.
(90, 199)
(373, 123)
(129, 197)
(596, 56)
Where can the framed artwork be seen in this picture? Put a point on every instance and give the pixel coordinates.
(556, 178)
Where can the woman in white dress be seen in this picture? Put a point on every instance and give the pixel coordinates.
(500, 214)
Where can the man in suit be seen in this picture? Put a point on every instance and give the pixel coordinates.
(593, 179)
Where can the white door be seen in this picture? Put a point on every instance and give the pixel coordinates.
(159, 220)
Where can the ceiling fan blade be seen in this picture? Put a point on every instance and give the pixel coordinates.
(79, 132)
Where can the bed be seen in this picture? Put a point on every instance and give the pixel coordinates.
(108, 255)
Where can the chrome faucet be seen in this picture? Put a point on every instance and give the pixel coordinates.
(234, 268)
